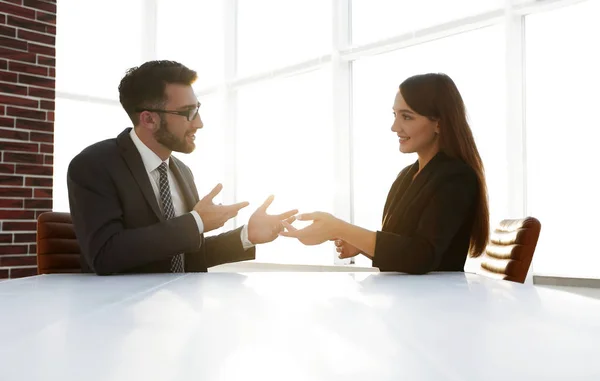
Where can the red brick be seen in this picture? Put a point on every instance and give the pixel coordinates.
(2, 19)
(18, 157)
(13, 89)
(22, 272)
(38, 182)
(16, 146)
(7, 168)
(27, 24)
(11, 180)
(36, 81)
(13, 203)
(34, 170)
(32, 249)
(13, 43)
(13, 249)
(38, 204)
(47, 105)
(19, 101)
(47, 148)
(3, 272)
(17, 55)
(14, 134)
(25, 113)
(50, 116)
(41, 49)
(49, 159)
(42, 93)
(27, 68)
(25, 237)
(37, 37)
(6, 238)
(39, 137)
(29, 260)
(7, 76)
(48, 61)
(18, 2)
(19, 226)
(7, 122)
(37, 4)
(15, 192)
(35, 125)
(3, 65)
(38, 212)
(46, 17)
(7, 214)
(7, 31)
(17, 10)
(42, 193)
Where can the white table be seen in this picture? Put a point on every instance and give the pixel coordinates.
(294, 326)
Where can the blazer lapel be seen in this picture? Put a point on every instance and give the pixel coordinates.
(183, 183)
(136, 166)
(404, 199)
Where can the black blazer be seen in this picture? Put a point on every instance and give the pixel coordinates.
(427, 221)
(119, 225)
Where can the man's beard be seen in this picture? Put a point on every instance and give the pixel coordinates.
(172, 142)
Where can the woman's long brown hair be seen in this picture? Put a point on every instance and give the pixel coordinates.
(435, 96)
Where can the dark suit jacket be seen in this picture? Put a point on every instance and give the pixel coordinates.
(120, 226)
(427, 221)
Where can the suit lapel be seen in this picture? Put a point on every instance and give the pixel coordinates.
(175, 167)
(136, 166)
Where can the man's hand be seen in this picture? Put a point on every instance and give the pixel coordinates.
(263, 227)
(214, 216)
(345, 249)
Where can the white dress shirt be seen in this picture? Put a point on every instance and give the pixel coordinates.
(151, 163)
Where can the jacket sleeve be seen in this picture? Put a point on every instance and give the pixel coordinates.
(439, 222)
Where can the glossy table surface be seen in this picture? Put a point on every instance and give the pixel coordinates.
(294, 326)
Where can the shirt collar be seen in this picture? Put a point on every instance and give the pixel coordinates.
(150, 159)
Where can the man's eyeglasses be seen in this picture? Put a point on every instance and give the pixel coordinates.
(190, 114)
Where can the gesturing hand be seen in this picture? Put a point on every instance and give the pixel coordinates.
(323, 228)
(214, 216)
(263, 227)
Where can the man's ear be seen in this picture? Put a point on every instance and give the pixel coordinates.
(148, 121)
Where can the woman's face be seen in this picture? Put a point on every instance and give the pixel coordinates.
(417, 133)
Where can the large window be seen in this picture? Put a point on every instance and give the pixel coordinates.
(297, 95)
(562, 134)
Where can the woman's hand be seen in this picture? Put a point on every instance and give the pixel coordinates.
(324, 227)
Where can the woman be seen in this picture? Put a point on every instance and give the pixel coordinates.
(437, 209)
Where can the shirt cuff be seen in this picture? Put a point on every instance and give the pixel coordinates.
(198, 222)
(244, 236)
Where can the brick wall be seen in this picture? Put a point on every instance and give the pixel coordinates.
(27, 73)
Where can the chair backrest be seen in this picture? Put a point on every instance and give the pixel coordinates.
(57, 247)
(510, 250)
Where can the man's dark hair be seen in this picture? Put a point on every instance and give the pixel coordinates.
(144, 86)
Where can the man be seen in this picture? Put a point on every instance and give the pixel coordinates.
(135, 207)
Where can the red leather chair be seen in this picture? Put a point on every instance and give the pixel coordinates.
(510, 251)
(57, 248)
